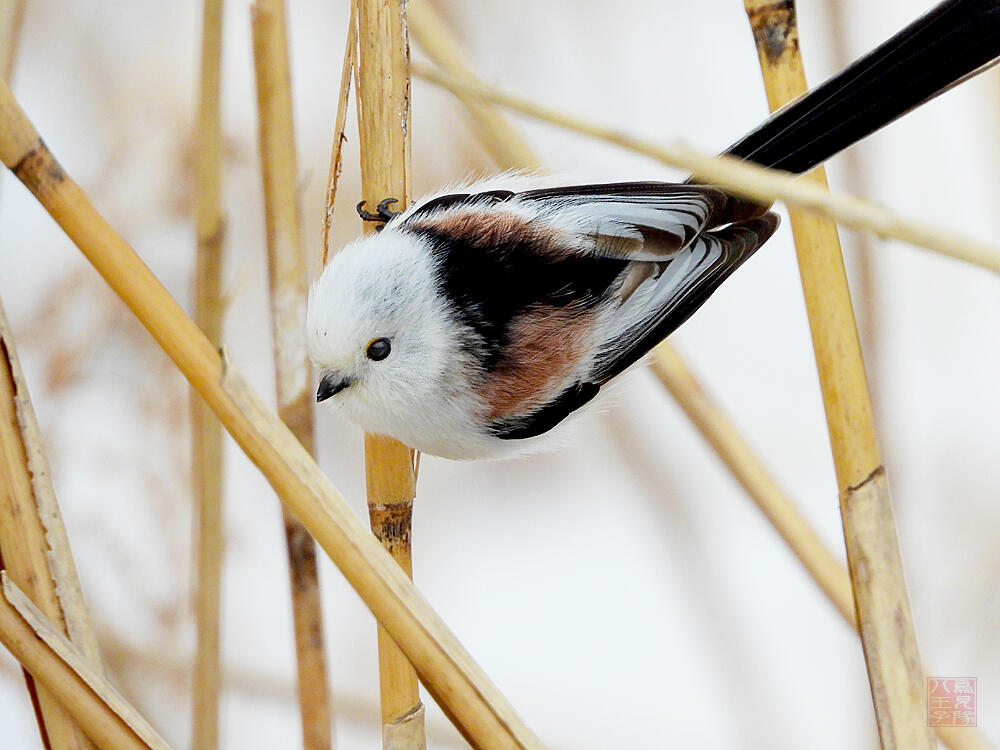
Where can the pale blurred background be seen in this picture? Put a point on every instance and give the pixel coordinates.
(621, 590)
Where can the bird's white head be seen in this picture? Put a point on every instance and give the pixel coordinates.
(384, 343)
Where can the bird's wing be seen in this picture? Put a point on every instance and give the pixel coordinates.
(635, 221)
(669, 296)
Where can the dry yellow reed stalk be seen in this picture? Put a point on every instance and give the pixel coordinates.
(206, 432)
(881, 603)
(34, 548)
(336, 156)
(288, 286)
(431, 32)
(856, 182)
(70, 676)
(743, 178)
(448, 671)
(383, 83)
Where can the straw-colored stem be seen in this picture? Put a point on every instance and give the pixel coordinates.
(881, 602)
(448, 671)
(856, 181)
(383, 123)
(287, 284)
(745, 179)
(336, 156)
(11, 21)
(70, 677)
(431, 32)
(33, 545)
(206, 433)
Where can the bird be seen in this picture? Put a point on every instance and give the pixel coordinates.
(479, 319)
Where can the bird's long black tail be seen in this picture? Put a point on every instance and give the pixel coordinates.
(940, 49)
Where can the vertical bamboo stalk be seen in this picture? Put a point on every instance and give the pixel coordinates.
(206, 432)
(287, 281)
(383, 122)
(883, 610)
(34, 548)
(857, 181)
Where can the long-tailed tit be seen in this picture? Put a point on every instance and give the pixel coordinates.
(480, 319)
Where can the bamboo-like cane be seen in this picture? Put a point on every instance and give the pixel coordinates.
(206, 432)
(34, 548)
(742, 178)
(881, 602)
(458, 684)
(70, 677)
(287, 281)
(856, 182)
(340, 124)
(383, 83)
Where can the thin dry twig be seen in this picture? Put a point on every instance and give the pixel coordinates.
(383, 81)
(287, 284)
(336, 158)
(34, 548)
(206, 432)
(881, 602)
(448, 671)
(70, 676)
(745, 179)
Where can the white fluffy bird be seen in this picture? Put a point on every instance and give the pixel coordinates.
(481, 319)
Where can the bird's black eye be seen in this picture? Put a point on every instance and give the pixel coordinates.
(378, 349)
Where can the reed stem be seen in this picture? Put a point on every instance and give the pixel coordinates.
(881, 602)
(288, 286)
(206, 433)
(383, 81)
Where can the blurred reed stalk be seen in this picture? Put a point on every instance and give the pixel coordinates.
(742, 178)
(881, 603)
(288, 286)
(34, 548)
(70, 677)
(448, 671)
(11, 20)
(857, 182)
(337, 152)
(206, 432)
(383, 82)
(497, 135)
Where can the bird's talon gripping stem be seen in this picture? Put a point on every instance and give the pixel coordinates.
(382, 214)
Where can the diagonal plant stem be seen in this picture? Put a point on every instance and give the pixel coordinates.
(70, 676)
(881, 602)
(34, 548)
(206, 432)
(287, 284)
(447, 670)
(383, 83)
(744, 179)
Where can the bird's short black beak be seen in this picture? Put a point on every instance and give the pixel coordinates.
(330, 385)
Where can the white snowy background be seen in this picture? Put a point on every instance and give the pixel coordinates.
(621, 591)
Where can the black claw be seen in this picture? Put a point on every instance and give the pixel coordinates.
(382, 215)
(384, 211)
